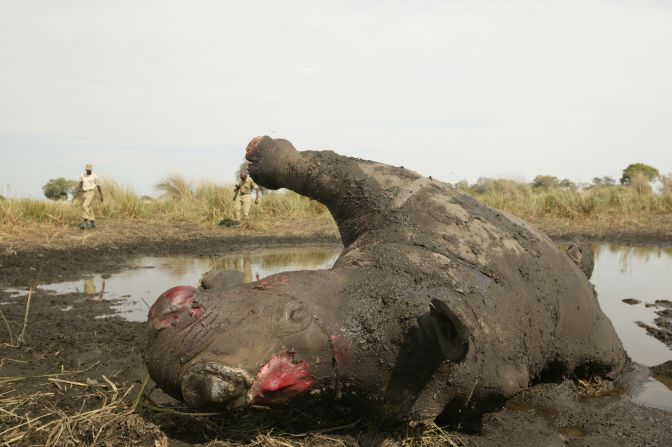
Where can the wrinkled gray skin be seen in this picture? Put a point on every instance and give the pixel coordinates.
(438, 305)
(581, 253)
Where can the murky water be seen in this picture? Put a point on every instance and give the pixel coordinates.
(657, 393)
(621, 272)
(138, 287)
(642, 273)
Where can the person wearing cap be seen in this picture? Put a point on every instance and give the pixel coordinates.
(243, 197)
(88, 182)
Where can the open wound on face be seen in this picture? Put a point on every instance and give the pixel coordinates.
(173, 303)
(281, 379)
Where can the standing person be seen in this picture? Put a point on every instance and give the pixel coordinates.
(88, 183)
(243, 197)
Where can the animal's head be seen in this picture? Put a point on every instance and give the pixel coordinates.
(261, 343)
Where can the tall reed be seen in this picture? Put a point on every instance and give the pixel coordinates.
(207, 202)
(573, 204)
(27, 211)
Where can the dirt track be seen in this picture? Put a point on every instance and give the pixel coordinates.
(81, 360)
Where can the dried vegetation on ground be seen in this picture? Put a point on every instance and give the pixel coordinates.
(73, 412)
(198, 207)
(181, 201)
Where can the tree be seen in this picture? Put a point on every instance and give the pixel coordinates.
(639, 169)
(604, 181)
(59, 188)
(566, 183)
(666, 183)
(640, 183)
(545, 182)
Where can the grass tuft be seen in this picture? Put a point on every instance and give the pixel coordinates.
(208, 203)
(635, 201)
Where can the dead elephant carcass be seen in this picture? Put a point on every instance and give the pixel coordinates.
(437, 305)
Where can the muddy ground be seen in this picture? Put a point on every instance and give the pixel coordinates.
(74, 379)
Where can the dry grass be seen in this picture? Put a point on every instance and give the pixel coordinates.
(185, 210)
(596, 387)
(100, 412)
(189, 209)
(15, 239)
(596, 210)
(185, 201)
(97, 414)
(293, 428)
(181, 201)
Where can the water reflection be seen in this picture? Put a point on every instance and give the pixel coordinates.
(89, 286)
(90, 289)
(627, 255)
(278, 257)
(655, 393)
(621, 272)
(642, 273)
(148, 277)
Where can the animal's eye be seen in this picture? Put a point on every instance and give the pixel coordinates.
(295, 311)
(292, 317)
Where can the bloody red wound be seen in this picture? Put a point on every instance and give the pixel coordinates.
(281, 379)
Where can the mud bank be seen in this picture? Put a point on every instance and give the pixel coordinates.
(19, 266)
(644, 238)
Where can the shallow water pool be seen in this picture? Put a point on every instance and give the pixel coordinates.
(621, 272)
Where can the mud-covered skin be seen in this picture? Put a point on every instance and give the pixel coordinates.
(581, 253)
(437, 305)
(222, 278)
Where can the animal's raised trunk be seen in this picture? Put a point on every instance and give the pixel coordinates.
(354, 190)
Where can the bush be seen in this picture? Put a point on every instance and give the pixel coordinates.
(545, 182)
(21, 211)
(666, 184)
(639, 170)
(59, 188)
(604, 181)
(601, 200)
(640, 183)
(176, 187)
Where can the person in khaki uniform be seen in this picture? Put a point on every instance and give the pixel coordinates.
(243, 197)
(88, 183)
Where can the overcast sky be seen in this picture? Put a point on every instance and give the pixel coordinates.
(453, 89)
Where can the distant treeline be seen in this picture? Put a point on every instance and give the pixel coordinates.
(638, 175)
(547, 196)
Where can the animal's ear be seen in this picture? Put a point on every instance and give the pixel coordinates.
(581, 253)
(445, 328)
(221, 278)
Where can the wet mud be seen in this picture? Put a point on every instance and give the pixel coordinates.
(551, 415)
(22, 268)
